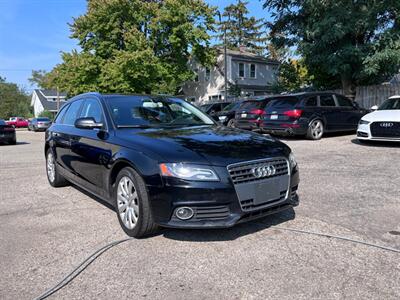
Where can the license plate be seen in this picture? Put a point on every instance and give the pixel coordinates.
(274, 117)
(243, 115)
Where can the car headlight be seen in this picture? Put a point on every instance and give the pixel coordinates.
(292, 160)
(222, 118)
(363, 122)
(188, 172)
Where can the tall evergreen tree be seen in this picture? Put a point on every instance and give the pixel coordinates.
(242, 30)
(342, 42)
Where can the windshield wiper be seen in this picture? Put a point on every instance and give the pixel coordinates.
(143, 126)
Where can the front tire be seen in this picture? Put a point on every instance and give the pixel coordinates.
(315, 130)
(231, 123)
(132, 204)
(53, 176)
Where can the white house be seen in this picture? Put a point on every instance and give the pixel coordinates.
(47, 100)
(251, 73)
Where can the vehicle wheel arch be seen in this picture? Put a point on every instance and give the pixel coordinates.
(314, 118)
(117, 166)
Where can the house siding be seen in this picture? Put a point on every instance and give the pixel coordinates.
(203, 90)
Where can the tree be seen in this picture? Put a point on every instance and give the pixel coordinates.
(41, 78)
(343, 42)
(132, 46)
(13, 101)
(242, 30)
(292, 76)
(46, 114)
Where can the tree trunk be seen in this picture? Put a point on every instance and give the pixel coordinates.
(348, 86)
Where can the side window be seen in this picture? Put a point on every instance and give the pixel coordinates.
(241, 70)
(61, 114)
(92, 108)
(327, 100)
(343, 101)
(310, 102)
(72, 112)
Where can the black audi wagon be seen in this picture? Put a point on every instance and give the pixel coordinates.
(162, 162)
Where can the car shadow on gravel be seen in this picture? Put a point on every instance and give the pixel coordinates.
(212, 235)
(18, 143)
(229, 234)
(376, 143)
(303, 138)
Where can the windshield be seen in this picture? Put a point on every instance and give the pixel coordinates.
(390, 104)
(205, 107)
(146, 111)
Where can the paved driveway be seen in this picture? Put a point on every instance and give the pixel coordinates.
(346, 189)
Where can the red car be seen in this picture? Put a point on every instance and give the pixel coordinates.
(17, 122)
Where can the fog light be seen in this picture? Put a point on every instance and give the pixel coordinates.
(184, 213)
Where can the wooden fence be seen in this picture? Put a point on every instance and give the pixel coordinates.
(371, 95)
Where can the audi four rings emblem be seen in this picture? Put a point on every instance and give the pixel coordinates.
(264, 171)
(386, 124)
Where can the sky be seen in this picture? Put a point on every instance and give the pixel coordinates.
(33, 33)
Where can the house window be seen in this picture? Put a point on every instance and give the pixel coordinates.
(196, 77)
(252, 71)
(207, 75)
(241, 70)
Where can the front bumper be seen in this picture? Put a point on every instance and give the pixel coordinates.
(215, 204)
(364, 134)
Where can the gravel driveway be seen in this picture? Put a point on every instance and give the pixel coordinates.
(346, 189)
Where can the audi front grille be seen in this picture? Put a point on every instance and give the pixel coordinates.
(261, 183)
(385, 129)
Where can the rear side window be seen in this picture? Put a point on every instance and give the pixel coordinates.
(310, 102)
(327, 100)
(284, 102)
(61, 114)
(72, 112)
(343, 101)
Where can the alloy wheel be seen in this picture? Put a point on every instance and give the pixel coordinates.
(317, 129)
(51, 167)
(128, 202)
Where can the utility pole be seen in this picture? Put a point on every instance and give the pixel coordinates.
(58, 99)
(225, 60)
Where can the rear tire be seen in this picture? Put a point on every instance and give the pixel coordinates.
(132, 204)
(231, 123)
(53, 176)
(315, 130)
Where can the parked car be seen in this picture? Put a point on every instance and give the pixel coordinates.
(213, 108)
(248, 116)
(227, 115)
(311, 114)
(39, 124)
(7, 133)
(17, 122)
(161, 161)
(383, 124)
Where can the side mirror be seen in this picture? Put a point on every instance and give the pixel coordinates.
(375, 107)
(88, 123)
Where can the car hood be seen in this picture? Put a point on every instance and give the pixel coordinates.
(383, 116)
(215, 145)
